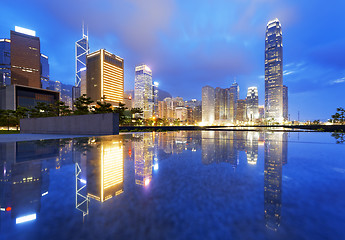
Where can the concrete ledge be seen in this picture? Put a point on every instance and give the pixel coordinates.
(91, 124)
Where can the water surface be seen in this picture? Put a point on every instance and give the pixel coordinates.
(175, 185)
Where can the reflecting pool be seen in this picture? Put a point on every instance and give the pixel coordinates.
(175, 185)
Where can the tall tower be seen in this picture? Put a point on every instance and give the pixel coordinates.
(208, 104)
(81, 50)
(274, 71)
(233, 96)
(25, 58)
(143, 90)
(252, 102)
(285, 103)
(105, 77)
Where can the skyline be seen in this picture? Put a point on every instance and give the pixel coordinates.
(192, 49)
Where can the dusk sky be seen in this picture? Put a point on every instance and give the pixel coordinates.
(190, 44)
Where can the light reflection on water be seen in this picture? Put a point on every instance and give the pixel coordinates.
(158, 182)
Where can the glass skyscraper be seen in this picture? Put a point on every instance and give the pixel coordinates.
(143, 90)
(81, 50)
(274, 72)
(252, 103)
(208, 104)
(5, 62)
(234, 93)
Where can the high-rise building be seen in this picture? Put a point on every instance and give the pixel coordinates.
(285, 103)
(155, 98)
(208, 104)
(274, 71)
(25, 58)
(252, 103)
(44, 70)
(105, 77)
(241, 115)
(221, 97)
(82, 49)
(143, 90)
(5, 62)
(233, 96)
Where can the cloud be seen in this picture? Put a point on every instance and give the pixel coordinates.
(340, 80)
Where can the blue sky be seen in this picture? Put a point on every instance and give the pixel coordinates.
(190, 44)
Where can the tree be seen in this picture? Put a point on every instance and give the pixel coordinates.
(339, 116)
(316, 122)
(7, 117)
(82, 105)
(136, 116)
(21, 112)
(60, 109)
(103, 107)
(121, 111)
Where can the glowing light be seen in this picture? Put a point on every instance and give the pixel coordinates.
(155, 167)
(26, 218)
(156, 84)
(25, 31)
(8, 209)
(147, 68)
(43, 194)
(129, 97)
(82, 181)
(147, 181)
(2, 209)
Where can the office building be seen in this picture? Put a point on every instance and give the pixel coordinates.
(105, 77)
(274, 72)
(5, 62)
(25, 58)
(23, 70)
(208, 105)
(143, 90)
(13, 96)
(233, 96)
(285, 103)
(221, 97)
(252, 103)
(241, 115)
(82, 49)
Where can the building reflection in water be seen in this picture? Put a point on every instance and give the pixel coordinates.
(143, 158)
(105, 165)
(225, 146)
(275, 155)
(25, 178)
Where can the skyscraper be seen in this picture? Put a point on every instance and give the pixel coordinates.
(104, 77)
(25, 58)
(285, 103)
(220, 104)
(143, 90)
(5, 62)
(208, 104)
(82, 49)
(241, 115)
(233, 96)
(252, 103)
(274, 71)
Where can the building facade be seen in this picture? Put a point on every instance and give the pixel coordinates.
(285, 103)
(252, 104)
(208, 105)
(105, 77)
(5, 62)
(274, 72)
(25, 59)
(241, 115)
(143, 90)
(233, 96)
